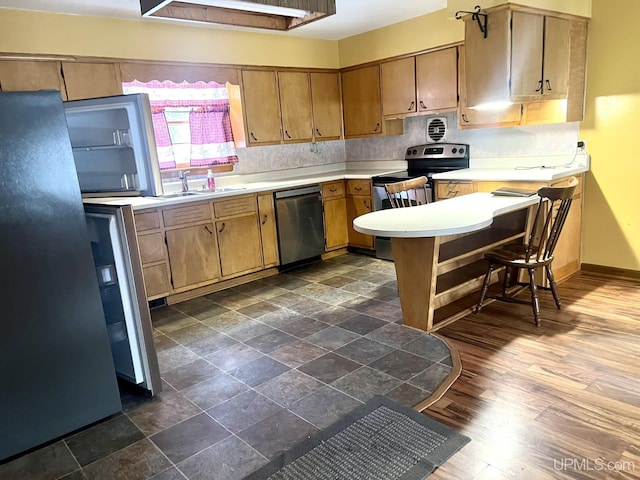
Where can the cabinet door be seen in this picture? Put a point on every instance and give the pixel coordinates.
(473, 118)
(526, 56)
(557, 48)
(91, 80)
(486, 62)
(327, 107)
(268, 231)
(356, 206)
(295, 104)
(361, 102)
(156, 281)
(335, 223)
(239, 244)
(398, 81)
(16, 75)
(261, 107)
(437, 80)
(193, 255)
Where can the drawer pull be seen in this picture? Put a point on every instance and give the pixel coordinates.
(422, 105)
(357, 189)
(253, 136)
(366, 205)
(207, 229)
(222, 229)
(264, 220)
(318, 132)
(333, 190)
(411, 106)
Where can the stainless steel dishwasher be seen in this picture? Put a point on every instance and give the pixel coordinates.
(300, 224)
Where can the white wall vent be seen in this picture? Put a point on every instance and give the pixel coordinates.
(436, 129)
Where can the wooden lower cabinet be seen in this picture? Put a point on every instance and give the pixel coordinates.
(268, 232)
(359, 202)
(239, 244)
(238, 231)
(193, 255)
(155, 266)
(334, 206)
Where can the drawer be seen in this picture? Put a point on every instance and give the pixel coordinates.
(235, 206)
(359, 187)
(333, 189)
(200, 212)
(149, 220)
(151, 248)
(453, 189)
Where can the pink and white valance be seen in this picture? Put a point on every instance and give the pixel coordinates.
(209, 120)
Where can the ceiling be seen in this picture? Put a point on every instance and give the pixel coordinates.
(352, 17)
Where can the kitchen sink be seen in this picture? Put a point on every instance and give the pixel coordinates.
(182, 194)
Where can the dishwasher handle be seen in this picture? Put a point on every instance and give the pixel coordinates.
(296, 192)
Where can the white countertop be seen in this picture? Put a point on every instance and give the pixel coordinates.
(524, 169)
(462, 214)
(234, 189)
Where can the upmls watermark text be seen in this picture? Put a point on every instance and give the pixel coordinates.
(593, 464)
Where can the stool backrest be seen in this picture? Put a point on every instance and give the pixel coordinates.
(408, 193)
(551, 215)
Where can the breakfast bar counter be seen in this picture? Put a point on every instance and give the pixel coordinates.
(438, 250)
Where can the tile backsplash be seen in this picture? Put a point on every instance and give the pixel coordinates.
(537, 140)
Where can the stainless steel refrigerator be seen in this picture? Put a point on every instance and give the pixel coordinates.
(56, 348)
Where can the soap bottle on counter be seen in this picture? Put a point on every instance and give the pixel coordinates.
(211, 181)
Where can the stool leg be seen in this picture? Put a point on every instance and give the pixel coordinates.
(535, 303)
(554, 288)
(485, 287)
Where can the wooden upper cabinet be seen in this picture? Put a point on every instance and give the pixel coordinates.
(361, 102)
(540, 56)
(261, 106)
(91, 80)
(398, 79)
(295, 104)
(327, 107)
(509, 115)
(486, 60)
(437, 80)
(16, 75)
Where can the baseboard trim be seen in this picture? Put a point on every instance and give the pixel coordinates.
(611, 271)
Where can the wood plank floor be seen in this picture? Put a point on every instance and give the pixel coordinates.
(559, 401)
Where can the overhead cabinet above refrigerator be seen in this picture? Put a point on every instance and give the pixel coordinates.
(114, 145)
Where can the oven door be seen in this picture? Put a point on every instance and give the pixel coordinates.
(381, 202)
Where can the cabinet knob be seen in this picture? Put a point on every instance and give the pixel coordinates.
(264, 220)
(539, 89)
(318, 132)
(422, 105)
(207, 229)
(222, 229)
(366, 205)
(253, 136)
(377, 127)
(464, 118)
(286, 132)
(411, 106)
(548, 85)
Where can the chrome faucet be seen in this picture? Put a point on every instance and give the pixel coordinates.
(182, 175)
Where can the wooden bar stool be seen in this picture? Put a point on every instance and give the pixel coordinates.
(537, 253)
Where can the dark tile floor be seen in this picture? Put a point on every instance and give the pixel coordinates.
(252, 370)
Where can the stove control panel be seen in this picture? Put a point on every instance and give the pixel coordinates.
(438, 150)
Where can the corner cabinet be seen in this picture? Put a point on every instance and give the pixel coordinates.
(362, 107)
